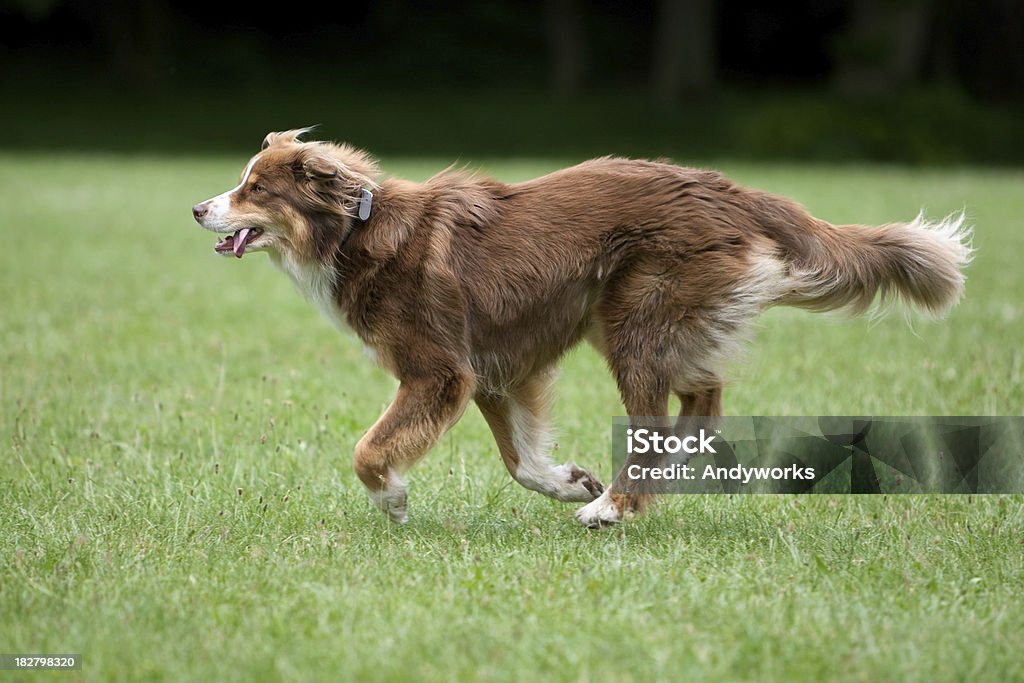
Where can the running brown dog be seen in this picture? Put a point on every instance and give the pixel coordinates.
(466, 288)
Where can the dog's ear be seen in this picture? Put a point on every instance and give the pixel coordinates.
(320, 167)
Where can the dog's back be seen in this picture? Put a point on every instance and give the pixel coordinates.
(587, 249)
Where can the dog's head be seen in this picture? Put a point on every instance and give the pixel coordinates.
(294, 198)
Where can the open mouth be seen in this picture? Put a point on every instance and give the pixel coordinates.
(237, 241)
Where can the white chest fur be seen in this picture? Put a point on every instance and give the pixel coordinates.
(316, 284)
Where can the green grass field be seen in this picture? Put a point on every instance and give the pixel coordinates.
(177, 500)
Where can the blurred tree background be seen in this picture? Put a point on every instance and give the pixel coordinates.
(912, 81)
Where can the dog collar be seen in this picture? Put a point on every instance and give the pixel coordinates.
(363, 208)
(365, 204)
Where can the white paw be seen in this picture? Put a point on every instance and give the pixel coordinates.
(600, 512)
(579, 486)
(393, 501)
(566, 483)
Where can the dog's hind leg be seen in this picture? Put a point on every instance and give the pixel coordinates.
(518, 420)
(422, 411)
(646, 402)
(636, 322)
(699, 409)
(645, 406)
(703, 403)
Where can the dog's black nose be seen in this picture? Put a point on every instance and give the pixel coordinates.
(199, 210)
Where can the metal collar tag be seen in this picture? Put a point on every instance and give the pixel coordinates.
(365, 203)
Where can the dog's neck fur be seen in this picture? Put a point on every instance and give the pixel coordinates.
(316, 281)
(337, 281)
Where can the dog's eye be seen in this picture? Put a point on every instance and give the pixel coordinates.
(257, 188)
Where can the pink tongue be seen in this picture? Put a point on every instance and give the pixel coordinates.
(239, 245)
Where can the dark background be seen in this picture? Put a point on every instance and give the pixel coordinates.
(911, 81)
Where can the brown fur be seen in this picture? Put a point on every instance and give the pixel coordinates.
(472, 289)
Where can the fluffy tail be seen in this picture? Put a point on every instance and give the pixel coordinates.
(849, 266)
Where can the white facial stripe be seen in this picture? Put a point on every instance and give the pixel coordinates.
(245, 176)
(220, 206)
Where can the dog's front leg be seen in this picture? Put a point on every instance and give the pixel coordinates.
(424, 409)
